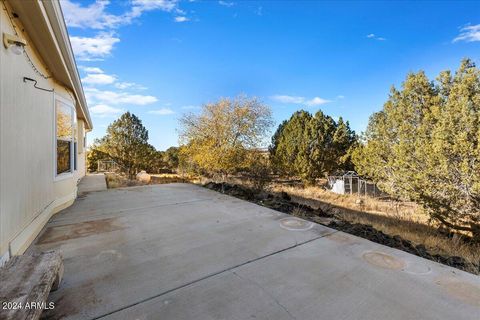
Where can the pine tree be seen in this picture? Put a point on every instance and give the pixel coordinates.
(126, 142)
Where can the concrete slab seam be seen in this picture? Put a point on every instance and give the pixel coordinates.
(267, 293)
(212, 275)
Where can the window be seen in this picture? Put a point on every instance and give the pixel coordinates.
(75, 143)
(66, 123)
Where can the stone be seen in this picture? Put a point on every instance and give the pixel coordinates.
(143, 176)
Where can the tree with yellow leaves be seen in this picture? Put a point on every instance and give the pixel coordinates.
(218, 140)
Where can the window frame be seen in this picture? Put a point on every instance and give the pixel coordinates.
(73, 156)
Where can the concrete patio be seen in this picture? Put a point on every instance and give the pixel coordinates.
(92, 182)
(179, 251)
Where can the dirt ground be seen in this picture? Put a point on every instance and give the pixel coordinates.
(337, 218)
(398, 225)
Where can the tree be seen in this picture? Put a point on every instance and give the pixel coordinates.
(345, 141)
(289, 144)
(153, 161)
(217, 141)
(311, 146)
(170, 157)
(424, 146)
(259, 169)
(126, 142)
(272, 149)
(94, 154)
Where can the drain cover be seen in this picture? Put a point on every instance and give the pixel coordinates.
(383, 260)
(295, 224)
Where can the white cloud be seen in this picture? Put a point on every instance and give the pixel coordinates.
(469, 34)
(181, 19)
(108, 97)
(92, 16)
(99, 78)
(104, 98)
(162, 111)
(96, 76)
(316, 101)
(124, 85)
(95, 48)
(95, 16)
(103, 110)
(375, 37)
(99, 46)
(91, 69)
(129, 85)
(226, 3)
(288, 99)
(340, 97)
(140, 6)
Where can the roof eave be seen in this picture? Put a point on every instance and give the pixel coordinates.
(55, 14)
(46, 27)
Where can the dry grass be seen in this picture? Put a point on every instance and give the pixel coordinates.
(391, 217)
(115, 180)
(299, 212)
(118, 180)
(327, 199)
(171, 178)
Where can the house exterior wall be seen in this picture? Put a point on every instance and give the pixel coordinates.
(30, 192)
(81, 150)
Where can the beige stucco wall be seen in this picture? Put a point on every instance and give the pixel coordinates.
(29, 191)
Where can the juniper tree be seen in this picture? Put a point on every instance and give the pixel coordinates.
(289, 144)
(311, 146)
(424, 146)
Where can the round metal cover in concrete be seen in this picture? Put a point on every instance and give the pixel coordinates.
(383, 260)
(295, 224)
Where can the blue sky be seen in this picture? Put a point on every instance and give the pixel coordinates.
(160, 58)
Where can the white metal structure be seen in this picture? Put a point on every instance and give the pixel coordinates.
(351, 183)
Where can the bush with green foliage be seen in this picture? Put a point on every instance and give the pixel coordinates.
(424, 146)
(311, 146)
